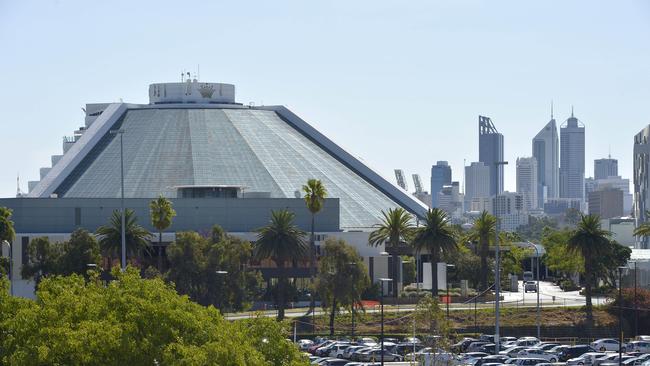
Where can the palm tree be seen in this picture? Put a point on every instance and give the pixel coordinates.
(281, 241)
(396, 226)
(483, 231)
(644, 228)
(590, 241)
(162, 213)
(110, 236)
(436, 236)
(315, 194)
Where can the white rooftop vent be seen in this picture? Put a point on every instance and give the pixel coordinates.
(191, 91)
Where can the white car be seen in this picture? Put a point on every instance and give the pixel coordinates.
(537, 353)
(638, 346)
(304, 344)
(527, 361)
(606, 344)
(528, 341)
(512, 351)
(586, 359)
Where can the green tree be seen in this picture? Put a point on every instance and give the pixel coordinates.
(589, 241)
(483, 232)
(606, 267)
(131, 321)
(43, 259)
(396, 227)
(315, 194)
(162, 213)
(642, 230)
(435, 236)
(281, 241)
(82, 249)
(427, 311)
(409, 270)
(558, 256)
(7, 231)
(110, 236)
(341, 264)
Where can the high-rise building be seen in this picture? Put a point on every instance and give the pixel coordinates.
(509, 208)
(572, 159)
(451, 200)
(642, 180)
(546, 149)
(490, 152)
(592, 185)
(527, 181)
(440, 176)
(606, 203)
(606, 167)
(477, 182)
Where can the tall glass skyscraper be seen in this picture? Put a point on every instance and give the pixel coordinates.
(440, 176)
(642, 181)
(490, 151)
(605, 168)
(572, 159)
(546, 150)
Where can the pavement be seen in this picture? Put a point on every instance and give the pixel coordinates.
(550, 296)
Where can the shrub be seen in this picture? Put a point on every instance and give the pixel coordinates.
(643, 306)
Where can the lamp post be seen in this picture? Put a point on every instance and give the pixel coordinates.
(382, 280)
(449, 266)
(313, 318)
(636, 308)
(222, 275)
(11, 277)
(354, 301)
(497, 282)
(620, 314)
(123, 223)
(537, 273)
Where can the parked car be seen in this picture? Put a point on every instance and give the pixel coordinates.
(467, 357)
(574, 351)
(537, 353)
(358, 354)
(491, 359)
(528, 341)
(638, 346)
(530, 286)
(475, 346)
(462, 345)
(335, 362)
(347, 354)
(375, 355)
(606, 344)
(490, 348)
(544, 346)
(338, 349)
(489, 338)
(512, 351)
(528, 361)
(558, 349)
(586, 359)
(625, 360)
(404, 348)
(528, 276)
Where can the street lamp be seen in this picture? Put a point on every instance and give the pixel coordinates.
(382, 280)
(222, 275)
(449, 266)
(538, 310)
(11, 277)
(313, 318)
(620, 314)
(497, 282)
(352, 265)
(123, 223)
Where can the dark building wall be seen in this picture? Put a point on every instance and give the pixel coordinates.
(64, 215)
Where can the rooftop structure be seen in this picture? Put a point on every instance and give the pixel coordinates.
(490, 151)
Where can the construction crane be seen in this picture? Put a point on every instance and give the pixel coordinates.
(401, 180)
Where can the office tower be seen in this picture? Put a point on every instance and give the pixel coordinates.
(440, 176)
(546, 149)
(451, 200)
(509, 207)
(527, 181)
(572, 159)
(490, 151)
(606, 203)
(604, 168)
(401, 180)
(642, 180)
(477, 182)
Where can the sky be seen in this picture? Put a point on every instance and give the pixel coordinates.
(399, 84)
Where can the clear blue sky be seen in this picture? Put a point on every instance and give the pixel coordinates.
(397, 83)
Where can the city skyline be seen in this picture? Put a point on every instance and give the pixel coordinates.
(388, 90)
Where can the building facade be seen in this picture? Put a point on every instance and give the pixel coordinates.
(477, 182)
(641, 180)
(440, 176)
(509, 208)
(606, 167)
(606, 203)
(572, 159)
(527, 182)
(490, 152)
(546, 150)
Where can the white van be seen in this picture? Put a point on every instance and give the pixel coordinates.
(528, 276)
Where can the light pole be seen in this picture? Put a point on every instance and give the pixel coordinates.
(449, 266)
(382, 280)
(636, 309)
(123, 223)
(537, 273)
(620, 314)
(354, 301)
(221, 275)
(9, 275)
(497, 282)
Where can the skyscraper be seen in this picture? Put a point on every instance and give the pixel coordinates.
(527, 181)
(477, 182)
(490, 151)
(546, 150)
(642, 180)
(572, 159)
(440, 176)
(604, 168)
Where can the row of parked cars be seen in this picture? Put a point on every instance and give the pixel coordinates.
(524, 351)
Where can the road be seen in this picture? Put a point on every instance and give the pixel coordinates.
(550, 296)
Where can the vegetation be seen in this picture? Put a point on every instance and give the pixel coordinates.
(6, 225)
(162, 213)
(483, 232)
(110, 236)
(396, 227)
(435, 236)
(130, 321)
(628, 301)
(315, 194)
(342, 278)
(281, 241)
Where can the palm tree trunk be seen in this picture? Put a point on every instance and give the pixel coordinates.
(281, 289)
(483, 243)
(332, 314)
(312, 265)
(435, 258)
(588, 283)
(160, 251)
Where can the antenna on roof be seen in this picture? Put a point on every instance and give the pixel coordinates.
(572, 111)
(551, 108)
(18, 192)
(182, 76)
